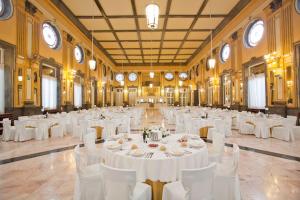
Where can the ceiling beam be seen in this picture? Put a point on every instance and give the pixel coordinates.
(109, 24)
(156, 30)
(143, 16)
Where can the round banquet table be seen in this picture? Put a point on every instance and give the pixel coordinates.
(161, 167)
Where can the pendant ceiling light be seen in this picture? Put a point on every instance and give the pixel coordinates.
(151, 74)
(152, 14)
(92, 61)
(211, 60)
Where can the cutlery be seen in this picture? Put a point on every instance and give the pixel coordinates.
(151, 154)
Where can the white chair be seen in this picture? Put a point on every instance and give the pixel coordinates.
(42, 130)
(216, 153)
(76, 129)
(121, 184)
(89, 181)
(284, 131)
(24, 132)
(195, 184)
(245, 125)
(227, 184)
(219, 126)
(94, 155)
(8, 130)
(57, 130)
(179, 123)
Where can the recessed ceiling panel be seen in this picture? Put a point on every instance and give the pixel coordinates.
(196, 35)
(174, 35)
(127, 35)
(95, 24)
(117, 7)
(151, 35)
(179, 23)
(110, 45)
(104, 36)
(171, 44)
(189, 44)
(88, 8)
(210, 23)
(185, 7)
(130, 45)
(123, 24)
(219, 7)
(150, 44)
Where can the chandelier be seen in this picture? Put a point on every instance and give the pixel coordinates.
(151, 74)
(92, 62)
(152, 13)
(211, 60)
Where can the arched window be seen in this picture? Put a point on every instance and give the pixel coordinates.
(297, 6)
(119, 77)
(51, 35)
(183, 75)
(169, 76)
(254, 33)
(225, 53)
(78, 54)
(132, 77)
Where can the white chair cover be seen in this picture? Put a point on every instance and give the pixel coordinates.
(195, 184)
(8, 130)
(89, 182)
(22, 132)
(285, 131)
(218, 140)
(121, 184)
(227, 185)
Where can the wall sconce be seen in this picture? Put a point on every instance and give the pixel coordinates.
(151, 74)
(180, 83)
(151, 85)
(289, 83)
(20, 76)
(122, 83)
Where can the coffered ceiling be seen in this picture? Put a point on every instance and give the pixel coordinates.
(120, 27)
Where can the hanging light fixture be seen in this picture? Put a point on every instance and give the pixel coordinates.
(92, 62)
(151, 74)
(211, 60)
(152, 14)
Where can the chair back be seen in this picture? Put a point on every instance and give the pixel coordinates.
(89, 140)
(118, 183)
(80, 161)
(236, 157)
(199, 182)
(220, 125)
(218, 141)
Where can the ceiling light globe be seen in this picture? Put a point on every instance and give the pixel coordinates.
(211, 63)
(92, 64)
(152, 14)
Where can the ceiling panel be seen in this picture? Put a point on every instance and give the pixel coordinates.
(126, 35)
(151, 57)
(179, 23)
(219, 7)
(185, 7)
(95, 24)
(88, 8)
(104, 36)
(117, 7)
(207, 23)
(123, 24)
(196, 35)
(151, 35)
(175, 35)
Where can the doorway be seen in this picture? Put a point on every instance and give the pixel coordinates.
(170, 95)
(118, 96)
(132, 96)
(183, 96)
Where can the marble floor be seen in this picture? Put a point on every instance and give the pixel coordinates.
(49, 174)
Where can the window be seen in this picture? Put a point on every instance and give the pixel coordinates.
(119, 77)
(2, 82)
(257, 91)
(77, 95)
(132, 77)
(1, 7)
(51, 35)
(254, 33)
(297, 6)
(183, 75)
(169, 76)
(78, 54)
(225, 53)
(49, 92)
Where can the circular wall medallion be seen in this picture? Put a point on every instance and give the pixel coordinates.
(1, 7)
(169, 76)
(254, 33)
(297, 6)
(225, 52)
(51, 35)
(132, 76)
(78, 54)
(119, 77)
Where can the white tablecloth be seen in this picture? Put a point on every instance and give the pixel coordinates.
(159, 167)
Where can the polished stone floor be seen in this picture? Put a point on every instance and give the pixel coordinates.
(46, 169)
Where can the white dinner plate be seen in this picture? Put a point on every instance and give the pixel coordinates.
(137, 152)
(177, 152)
(196, 144)
(114, 146)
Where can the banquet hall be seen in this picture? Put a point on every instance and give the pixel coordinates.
(150, 99)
